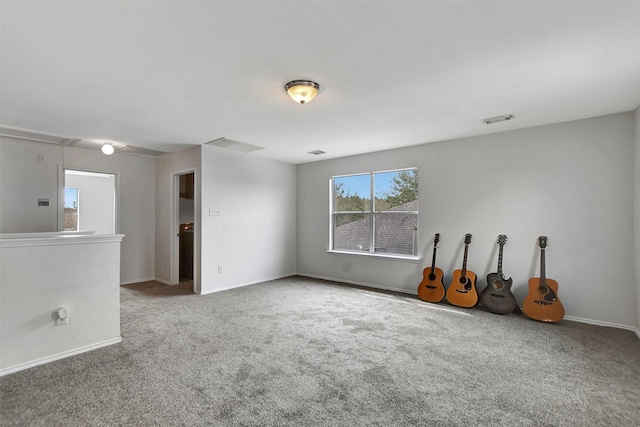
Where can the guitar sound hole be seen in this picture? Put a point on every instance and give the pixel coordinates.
(498, 285)
(432, 277)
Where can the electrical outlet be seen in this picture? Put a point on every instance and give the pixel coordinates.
(166, 265)
(220, 269)
(331, 261)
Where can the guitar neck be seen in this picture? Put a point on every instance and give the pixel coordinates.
(500, 260)
(464, 262)
(433, 262)
(543, 275)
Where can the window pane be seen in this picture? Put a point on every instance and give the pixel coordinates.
(396, 190)
(352, 193)
(70, 209)
(351, 232)
(396, 233)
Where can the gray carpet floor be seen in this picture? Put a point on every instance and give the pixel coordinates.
(305, 352)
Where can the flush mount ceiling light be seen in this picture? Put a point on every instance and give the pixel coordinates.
(302, 91)
(107, 149)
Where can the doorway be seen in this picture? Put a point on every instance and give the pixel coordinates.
(184, 259)
(89, 201)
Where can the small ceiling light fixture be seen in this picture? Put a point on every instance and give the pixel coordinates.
(302, 91)
(107, 149)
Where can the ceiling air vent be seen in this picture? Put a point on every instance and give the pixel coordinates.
(316, 152)
(128, 149)
(35, 136)
(496, 119)
(70, 141)
(229, 144)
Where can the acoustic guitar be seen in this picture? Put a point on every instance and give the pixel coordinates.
(431, 289)
(542, 302)
(462, 290)
(497, 296)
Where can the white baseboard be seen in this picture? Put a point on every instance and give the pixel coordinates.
(240, 285)
(129, 282)
(63, 355)
(164, 282)
(387, 288)
(601, 323)
(353, 282)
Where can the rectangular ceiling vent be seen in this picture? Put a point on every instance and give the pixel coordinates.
(229, 144)
(497, 119)
(316, 152)
(128, 149)
(70, 141)
(35, 136)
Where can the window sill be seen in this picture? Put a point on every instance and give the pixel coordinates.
(410, 258)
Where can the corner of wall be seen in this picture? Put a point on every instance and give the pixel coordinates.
(636, 216)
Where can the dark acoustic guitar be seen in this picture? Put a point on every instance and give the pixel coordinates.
(431, 289)
(497, 296)
(542, 302)
(462, 290)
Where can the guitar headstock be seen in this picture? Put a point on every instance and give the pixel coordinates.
(436, 240)
(502, 239)
(542, 242)
(467, 239)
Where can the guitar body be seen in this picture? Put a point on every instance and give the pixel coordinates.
(462, 290)
(497, 296)
(431, 289)
(542, 302)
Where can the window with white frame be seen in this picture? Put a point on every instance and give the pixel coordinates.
(375, 212)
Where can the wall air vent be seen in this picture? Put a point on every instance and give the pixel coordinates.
(316, 152)
(229, 144)
(496, 119)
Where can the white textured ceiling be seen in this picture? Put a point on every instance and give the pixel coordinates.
(168, 75)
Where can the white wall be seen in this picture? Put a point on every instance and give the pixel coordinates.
(96, 201)
(40, 275)
(135, 176)
(255, 237)
(637, 217)
(23, 180)
(572, 182)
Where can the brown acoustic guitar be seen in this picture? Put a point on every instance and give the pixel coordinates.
(497, 296)
(431, 289)
(462, 291)
(542, 302)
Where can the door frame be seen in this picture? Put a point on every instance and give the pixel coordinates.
(174, 220)
(62, 178)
